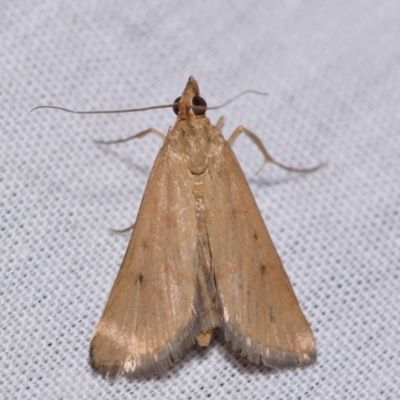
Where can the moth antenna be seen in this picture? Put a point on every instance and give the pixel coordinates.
(236, 97)
(151, 107)
(106, 111)
(232, 99)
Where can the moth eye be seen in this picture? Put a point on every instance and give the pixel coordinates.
(176, 106)
(201, 103)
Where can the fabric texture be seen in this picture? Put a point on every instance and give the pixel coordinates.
(332, 73)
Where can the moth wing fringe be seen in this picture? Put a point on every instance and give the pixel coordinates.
(257, 353)
(155, 363)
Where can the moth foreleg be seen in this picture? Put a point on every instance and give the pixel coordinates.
(267, 157)
(136, 136)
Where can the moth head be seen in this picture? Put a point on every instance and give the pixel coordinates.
(190, 104)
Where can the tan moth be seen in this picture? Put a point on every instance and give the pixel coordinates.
(199, 258)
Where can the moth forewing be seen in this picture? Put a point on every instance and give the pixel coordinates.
(261, 315)
(149, 318)
(200, 257)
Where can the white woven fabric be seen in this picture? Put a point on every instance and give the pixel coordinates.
(332, 73)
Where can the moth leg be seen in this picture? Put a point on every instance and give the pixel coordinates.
(204, 338)
(267, 157)
(136, 136)
(112, 230)
(220, 123)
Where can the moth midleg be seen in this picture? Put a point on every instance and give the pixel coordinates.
(123, 230)
(267, 157)
(136, 136)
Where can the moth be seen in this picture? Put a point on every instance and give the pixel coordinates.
(199, 258)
